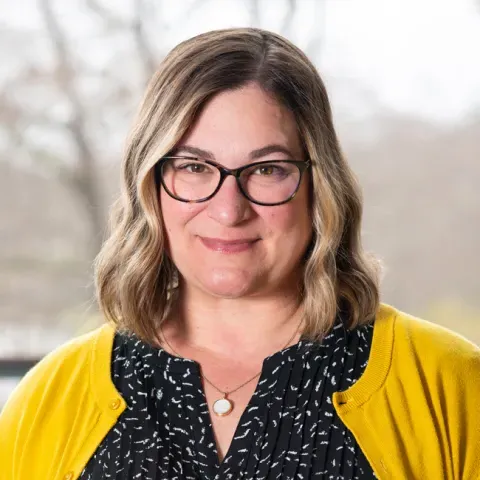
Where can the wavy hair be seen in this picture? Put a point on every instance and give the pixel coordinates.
(136, 281)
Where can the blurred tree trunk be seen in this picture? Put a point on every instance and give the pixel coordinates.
(136, 26)
(84, 177)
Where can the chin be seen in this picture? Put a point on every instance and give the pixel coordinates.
(229, 283)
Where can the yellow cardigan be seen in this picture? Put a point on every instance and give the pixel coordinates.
(414, 412)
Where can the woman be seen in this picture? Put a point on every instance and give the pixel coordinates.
(245, 336)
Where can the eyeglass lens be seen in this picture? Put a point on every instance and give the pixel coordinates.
(193, 180)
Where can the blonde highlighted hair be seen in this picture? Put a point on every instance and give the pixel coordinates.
(136, 281)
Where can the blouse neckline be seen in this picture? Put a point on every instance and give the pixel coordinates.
(372, 379)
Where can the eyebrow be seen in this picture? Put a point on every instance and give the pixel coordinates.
(254, 154)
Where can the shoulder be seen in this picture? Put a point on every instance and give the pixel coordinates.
(436, 344)
(418, 352)
(67, 363)
(433, 374)
(66, 381)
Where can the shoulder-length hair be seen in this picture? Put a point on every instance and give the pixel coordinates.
(136, 280)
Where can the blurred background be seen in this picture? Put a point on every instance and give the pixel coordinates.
(404, 82)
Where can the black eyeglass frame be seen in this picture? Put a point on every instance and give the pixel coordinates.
(302, 166)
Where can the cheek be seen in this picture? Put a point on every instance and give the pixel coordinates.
(279, 220)
(176, 215)
(288, 223)
(293, 217)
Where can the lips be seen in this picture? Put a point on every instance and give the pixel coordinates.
(229, 246)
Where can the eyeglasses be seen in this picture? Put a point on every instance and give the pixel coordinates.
(195, 180)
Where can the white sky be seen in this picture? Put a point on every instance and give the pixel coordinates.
(415, 56)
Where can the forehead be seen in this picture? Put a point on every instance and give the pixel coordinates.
(235, 122)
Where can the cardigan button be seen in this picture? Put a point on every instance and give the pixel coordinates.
(114, 404)
(68, 476)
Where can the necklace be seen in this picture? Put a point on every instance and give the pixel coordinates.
(224, 406)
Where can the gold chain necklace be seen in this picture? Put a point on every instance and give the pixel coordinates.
(224, 406)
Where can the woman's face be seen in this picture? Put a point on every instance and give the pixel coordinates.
(269, 241)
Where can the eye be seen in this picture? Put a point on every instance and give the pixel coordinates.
(269, 170)
(192, 167)
(266, 170)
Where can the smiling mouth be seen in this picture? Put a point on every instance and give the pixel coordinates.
(229, 246)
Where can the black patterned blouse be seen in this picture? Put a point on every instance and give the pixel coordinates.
(289, 430)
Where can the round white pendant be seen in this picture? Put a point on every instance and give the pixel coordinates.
(223, 407)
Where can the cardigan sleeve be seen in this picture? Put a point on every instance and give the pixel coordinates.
(39, 416)
(461, 395)
(415, 412)
(448, 367)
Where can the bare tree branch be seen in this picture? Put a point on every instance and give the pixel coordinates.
(136, 26)
(141, 39)
(106, 15)
(182, 17)
(85, 178)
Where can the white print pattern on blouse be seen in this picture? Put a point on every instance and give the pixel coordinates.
(289, 429)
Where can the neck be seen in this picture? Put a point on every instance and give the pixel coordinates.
(256, 326)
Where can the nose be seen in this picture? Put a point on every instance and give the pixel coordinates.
(228, 206)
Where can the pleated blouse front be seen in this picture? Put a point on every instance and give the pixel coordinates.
(289, 430)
